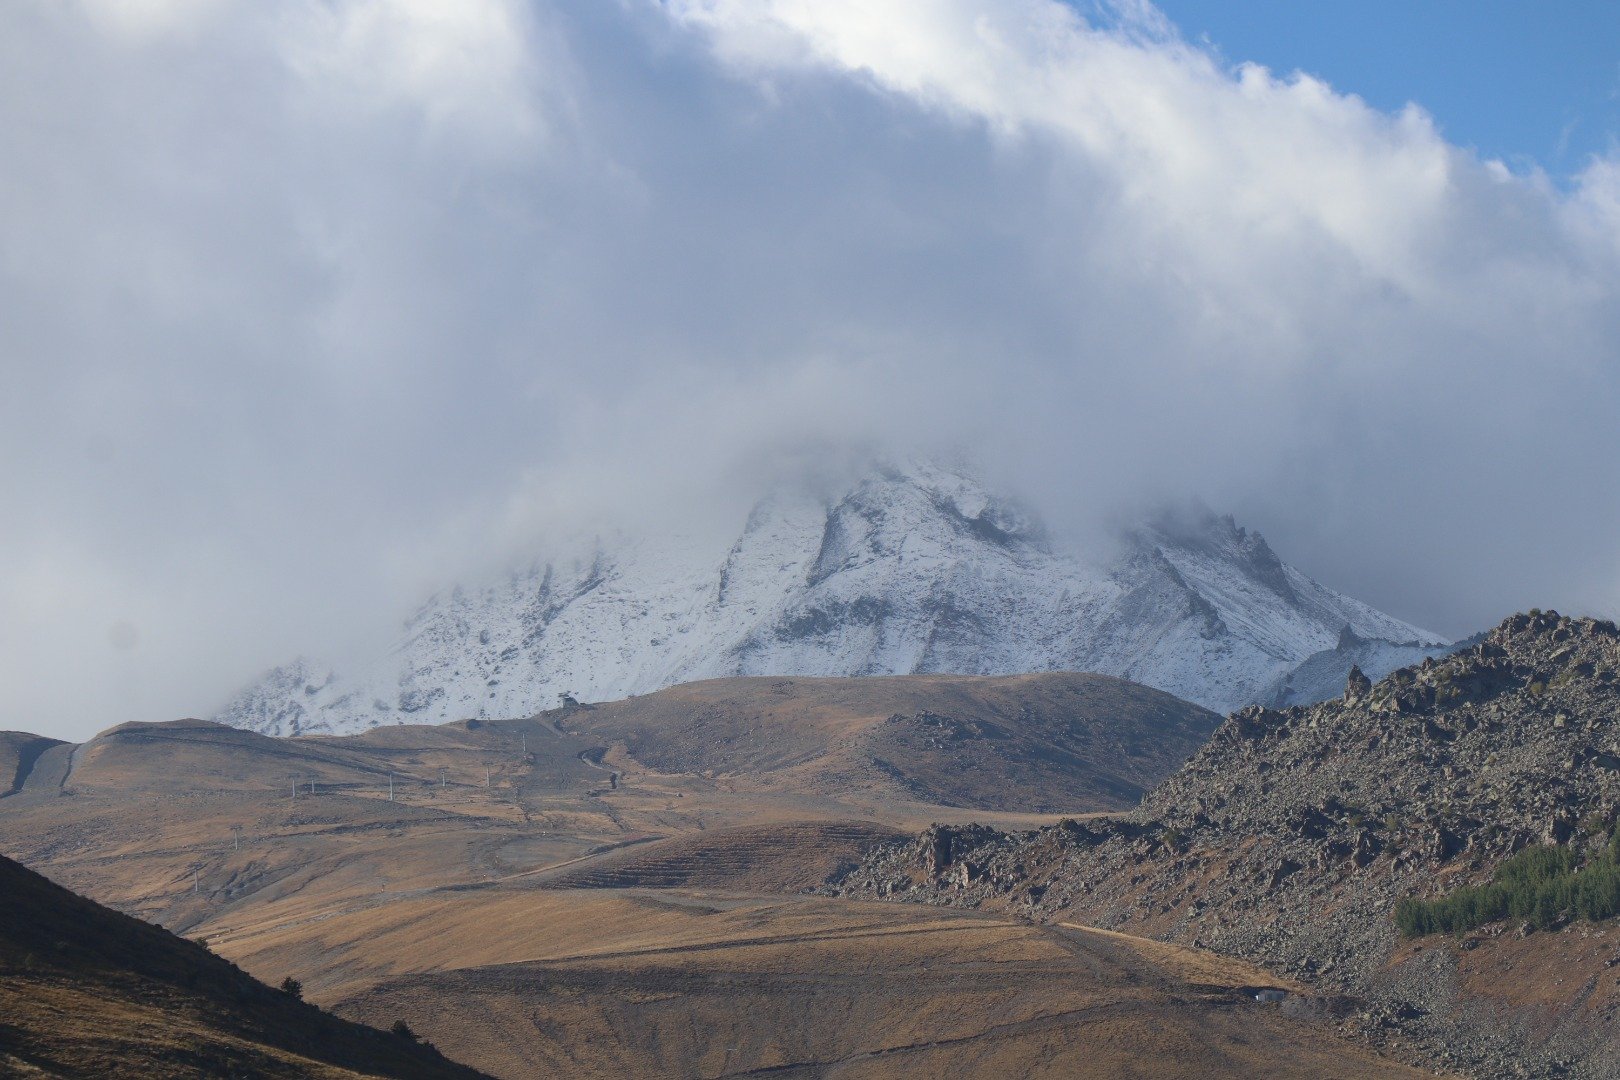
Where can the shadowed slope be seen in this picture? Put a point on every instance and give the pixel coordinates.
(19, 751)
(87, 991)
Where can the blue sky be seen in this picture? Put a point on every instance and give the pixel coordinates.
(1523, 82)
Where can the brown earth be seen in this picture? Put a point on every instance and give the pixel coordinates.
(785, 858)
(1047, 743)
(129, 816)
(524, 982)
(619, 889)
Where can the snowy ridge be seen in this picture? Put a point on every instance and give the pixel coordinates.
(910, 570)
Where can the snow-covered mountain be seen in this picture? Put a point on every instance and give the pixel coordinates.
(918, 569)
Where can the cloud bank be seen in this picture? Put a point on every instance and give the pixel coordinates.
(310, 306)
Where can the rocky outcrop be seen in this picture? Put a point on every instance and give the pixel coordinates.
(1292, 835)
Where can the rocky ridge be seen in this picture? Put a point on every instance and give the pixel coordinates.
(1291, 836)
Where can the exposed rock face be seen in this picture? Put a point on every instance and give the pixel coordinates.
(914, 570)
(1291, 836)
(1356, 686)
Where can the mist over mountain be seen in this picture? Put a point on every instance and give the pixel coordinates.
(914, 569)
(310, 310)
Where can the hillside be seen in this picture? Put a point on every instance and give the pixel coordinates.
(128, 816)
(920, 569)
(622, 889)
(671, 983)
(1030, 743)
(1291, 838)
(88, 991)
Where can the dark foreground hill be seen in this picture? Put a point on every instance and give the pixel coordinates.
(86, 991)
(1295, 837)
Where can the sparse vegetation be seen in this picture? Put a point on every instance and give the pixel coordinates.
(1543, 885)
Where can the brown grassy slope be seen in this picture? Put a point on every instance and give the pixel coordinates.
(198, 755)
(643, 984)
(126, 817)
(780, 858)
(87, 991)
(144, 804)
(445, 906)
(1051, 742)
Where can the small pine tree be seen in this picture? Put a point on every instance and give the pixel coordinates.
(1543, 885)
(403, 1030)
(292, 988)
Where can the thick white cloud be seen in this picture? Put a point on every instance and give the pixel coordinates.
(1386, 328)
(469, 68)
(308, 305)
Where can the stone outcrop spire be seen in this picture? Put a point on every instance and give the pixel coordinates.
(1357, 686)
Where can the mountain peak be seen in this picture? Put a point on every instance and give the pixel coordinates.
(916, 566)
